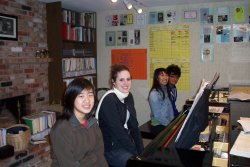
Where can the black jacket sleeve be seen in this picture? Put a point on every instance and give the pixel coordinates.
(133, 124)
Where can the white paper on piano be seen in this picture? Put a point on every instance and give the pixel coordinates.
(239, 96)
(245, 123)
(241, 146)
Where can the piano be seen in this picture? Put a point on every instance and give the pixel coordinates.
(195, 138)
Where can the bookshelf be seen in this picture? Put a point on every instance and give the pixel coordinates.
(72, 45)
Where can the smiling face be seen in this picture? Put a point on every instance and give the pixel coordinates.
(123, 81)
(173, 79)
(84, 103)
(163, 78)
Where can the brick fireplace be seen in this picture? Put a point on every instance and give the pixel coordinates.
(23, 74)
(28, 76)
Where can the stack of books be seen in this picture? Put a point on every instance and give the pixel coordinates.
(40, 121)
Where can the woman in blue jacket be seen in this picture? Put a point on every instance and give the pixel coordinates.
(161, 108)
(116, 115)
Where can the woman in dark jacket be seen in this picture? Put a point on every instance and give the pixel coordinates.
(117, 119)
(76, 138)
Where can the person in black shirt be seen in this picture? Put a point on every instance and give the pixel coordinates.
(116, 115)
(174, 73)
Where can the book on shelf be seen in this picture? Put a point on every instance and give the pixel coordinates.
(79, 66)
(40, 121)
(86, 19)
(2, 137)
(77, 52)
(68, 80)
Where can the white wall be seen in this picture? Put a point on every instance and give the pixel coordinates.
(232, 60)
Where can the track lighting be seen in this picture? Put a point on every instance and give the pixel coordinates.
(128, 4)
(138, 10)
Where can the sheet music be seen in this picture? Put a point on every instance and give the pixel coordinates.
(197, 97)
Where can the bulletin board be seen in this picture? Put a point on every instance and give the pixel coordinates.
(134, 59)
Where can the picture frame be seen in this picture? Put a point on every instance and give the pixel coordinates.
(110, 38)
(8, 27)
(190, 15)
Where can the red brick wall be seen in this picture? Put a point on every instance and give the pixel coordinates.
(20, 71)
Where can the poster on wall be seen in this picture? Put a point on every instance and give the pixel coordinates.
(134, 37)
(170, 42)
(130, 19)
(140, 20)
(121, 38)
(240, 33)
(207, 53)
(223, 15)
(123, 19)
(156, 17)
(137, 37)
(239, 14)
(126, 19)
(131, 37)
(206, 35)
(170, 16)
(134, 59)
(110, 38)
(223, 33)
(190, 15)
(108, 21)
(206, 15)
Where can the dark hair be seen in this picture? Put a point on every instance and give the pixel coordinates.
(72, 91)
(156, 85)
(115, 69)
(174, 70)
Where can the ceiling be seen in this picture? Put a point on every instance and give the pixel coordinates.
(101, 5)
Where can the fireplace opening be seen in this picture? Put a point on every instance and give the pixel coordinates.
(12, 110)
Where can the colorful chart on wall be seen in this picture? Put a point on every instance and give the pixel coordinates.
(134, 59)
(184, 81)
(170, 42)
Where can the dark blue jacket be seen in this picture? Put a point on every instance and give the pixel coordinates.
(112, 117)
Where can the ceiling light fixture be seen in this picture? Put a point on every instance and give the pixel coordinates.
(138, 10)
(128, 4)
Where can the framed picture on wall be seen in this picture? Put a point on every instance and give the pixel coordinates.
(8, 27)
(190, 15)
(110, 38)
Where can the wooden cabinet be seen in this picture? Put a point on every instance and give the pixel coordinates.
(72, 46)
